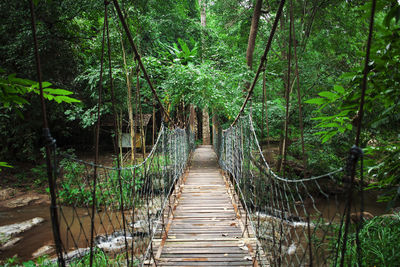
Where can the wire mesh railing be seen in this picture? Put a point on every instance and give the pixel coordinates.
(296, 221)
(112, 214)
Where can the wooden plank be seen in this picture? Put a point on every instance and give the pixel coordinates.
(205, 259)
(205, 229)
(205, 250)
(224, 256)
(205, 263)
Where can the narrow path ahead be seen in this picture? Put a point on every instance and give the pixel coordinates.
(205, 229)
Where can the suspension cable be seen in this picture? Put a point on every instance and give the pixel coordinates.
(97, 139)
(287, 93)
(50, 144)
(299, 98)
(356, 152)
(263, 58)
(139, 60)
(117, 133)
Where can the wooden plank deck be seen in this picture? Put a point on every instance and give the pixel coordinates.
(206, 228)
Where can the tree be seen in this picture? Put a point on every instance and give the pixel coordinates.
(253, 33)
(206, 117)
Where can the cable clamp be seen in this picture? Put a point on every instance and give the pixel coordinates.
(49, 140)
(355, 154)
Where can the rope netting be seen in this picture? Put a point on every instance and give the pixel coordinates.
(130, 205)
(296, 221)
(110, 215)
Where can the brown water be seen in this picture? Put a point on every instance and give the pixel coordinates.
(34, 238)
(335, 204)
(76, 222)
(75, 225)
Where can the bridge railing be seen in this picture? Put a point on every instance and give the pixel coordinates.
(296, 221)
(109, 215)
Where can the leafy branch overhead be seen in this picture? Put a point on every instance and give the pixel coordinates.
(14, 92)
(332, 124)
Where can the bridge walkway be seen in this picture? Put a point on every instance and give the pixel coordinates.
(206, 228)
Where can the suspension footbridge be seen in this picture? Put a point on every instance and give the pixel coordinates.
(209, 206)
(177, 208)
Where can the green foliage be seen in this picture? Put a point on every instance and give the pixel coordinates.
(39, 175)
(13, 91)
(41, 261)
(204, 66)
(84, 115)
(4, 165)
(11, 261)
(76, 187)
(380, 241)
(100, 259)
(338, 108)
(72, 189)
(383, 165)
(337, 123)
(179, 53)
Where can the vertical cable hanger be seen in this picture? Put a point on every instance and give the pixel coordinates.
(139, 61)
(50, 146)
(97, 139)
(287, 92)
(299, 96)
(116, 129)
(356, 152)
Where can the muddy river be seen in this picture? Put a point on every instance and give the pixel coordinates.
(42, 235)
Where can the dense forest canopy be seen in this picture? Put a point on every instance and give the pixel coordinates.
(209, 66)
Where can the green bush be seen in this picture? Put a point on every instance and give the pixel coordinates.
(380, 243)
(40, 175)
(99, 259)
(77, 185)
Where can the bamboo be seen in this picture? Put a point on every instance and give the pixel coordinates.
(130, 110)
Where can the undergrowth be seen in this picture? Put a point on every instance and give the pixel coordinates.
(380, 243)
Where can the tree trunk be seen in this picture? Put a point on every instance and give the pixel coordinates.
(282, 144)
(206, 117)
(130, 110)
(253, 33)
(154, 123)
(215, 126)
(206, 127)
(192, 118)
(199, 117)
(202, 6)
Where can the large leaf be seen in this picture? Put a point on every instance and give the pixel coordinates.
(339, 89)
(57, 91)
(317, 101)
(4, 165)
(66, 99)
(329, 95)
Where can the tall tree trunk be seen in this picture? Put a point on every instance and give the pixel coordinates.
(199, 117)
(130, 110)
(215, 126)
(253, 33)
(206, 127)
(192, 118)
(202, 5)
(154, 123)
(284, 56)
(206, 117)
